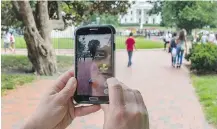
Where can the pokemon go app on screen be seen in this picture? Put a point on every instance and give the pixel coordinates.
(94, 64)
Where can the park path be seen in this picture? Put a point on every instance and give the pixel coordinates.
(167, 92)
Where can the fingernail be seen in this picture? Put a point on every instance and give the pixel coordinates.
(112, 81)
(74, 81)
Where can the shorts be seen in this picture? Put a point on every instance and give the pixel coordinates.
(6, 45)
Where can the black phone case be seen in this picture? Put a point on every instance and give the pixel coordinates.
(75, 100)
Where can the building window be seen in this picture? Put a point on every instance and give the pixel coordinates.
(131, 19)
(146, 22)
(139, 20)
(125, 19)
(140, 12)
(131, 12)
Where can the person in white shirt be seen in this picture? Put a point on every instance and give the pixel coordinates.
(204, 38)
(211, 37)
(170, 36)
(7, 41)
(166, 40)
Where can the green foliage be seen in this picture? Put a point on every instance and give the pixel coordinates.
(105, 19)
(19, 64)
(76, 11)
(109, 19)
(141, 43)
(187, 14)
(68, 43)
(206, 88)
(203, 58)
(8, 15)
(10, 81)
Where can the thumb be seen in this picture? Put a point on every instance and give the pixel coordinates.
(68, 91)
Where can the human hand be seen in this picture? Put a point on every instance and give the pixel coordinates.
(56, 110)
(126, 109)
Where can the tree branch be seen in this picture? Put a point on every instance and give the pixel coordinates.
(28, 19)
(17, 10)
(15, 4)
(44, 19)
(36, 16)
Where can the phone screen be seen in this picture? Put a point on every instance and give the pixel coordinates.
(94, 64)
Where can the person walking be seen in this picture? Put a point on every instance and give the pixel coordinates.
(12, 42)
(130, 44)
(170, 38)
(149, 34)
(204, 38)
(166, 40)
(7, 41)
(173, 49)
(211, 37)
(181, 45)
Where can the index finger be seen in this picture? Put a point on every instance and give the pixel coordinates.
(62, 81)
(116, 96)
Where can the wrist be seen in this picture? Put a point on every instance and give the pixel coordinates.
(31, 123)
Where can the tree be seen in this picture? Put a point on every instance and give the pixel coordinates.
(93, 45)
(109, 19)
(105, 19)
(81, 45)
(37, 16)
(187, 14)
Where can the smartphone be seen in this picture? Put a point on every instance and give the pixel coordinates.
(94, 63)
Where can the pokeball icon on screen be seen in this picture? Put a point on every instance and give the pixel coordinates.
(106, 91)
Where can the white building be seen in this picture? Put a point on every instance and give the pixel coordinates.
(138, 14)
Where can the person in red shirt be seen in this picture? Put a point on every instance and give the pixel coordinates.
(130, 44)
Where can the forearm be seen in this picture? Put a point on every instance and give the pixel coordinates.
(29, 124)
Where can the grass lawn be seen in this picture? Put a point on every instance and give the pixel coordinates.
(141, 43)
(14, 67)
(10, 81)
(206, 88)
(67, 43)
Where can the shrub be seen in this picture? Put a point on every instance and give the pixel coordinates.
(203, 58)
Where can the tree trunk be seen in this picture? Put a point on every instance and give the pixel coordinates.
(38, 41)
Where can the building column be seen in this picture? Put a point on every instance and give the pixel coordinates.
(134, 16)
(142, 19)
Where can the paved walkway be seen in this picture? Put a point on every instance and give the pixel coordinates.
(66, 52)
(167, 92)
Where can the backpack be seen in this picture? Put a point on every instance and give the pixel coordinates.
(173, 43)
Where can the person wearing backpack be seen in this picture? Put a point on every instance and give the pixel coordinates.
(181, 45)
(173, 49)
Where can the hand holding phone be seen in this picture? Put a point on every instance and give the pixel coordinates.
(126, 109)
(94, 63)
